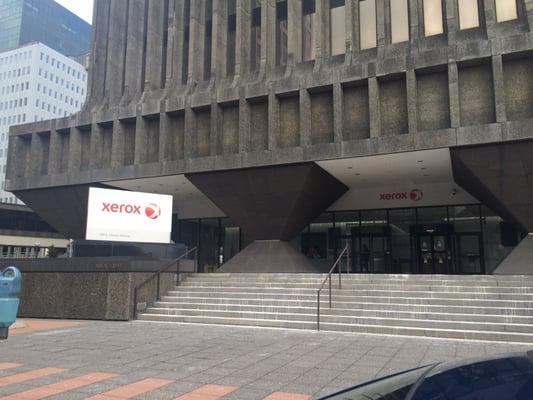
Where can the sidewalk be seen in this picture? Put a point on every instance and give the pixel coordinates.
(125, 360)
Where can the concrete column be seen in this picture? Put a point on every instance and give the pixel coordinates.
(216, 141)
(36, 155)
(55, 156)
(164, 137)
(154, 61)
(189, 138)
(102, 14)
(242, 41)
(453, 89)
(117, 145)
(322, 41)
(414, 23)
(244, 125)
(96, 146)
(452, 20)
(380, 23)
(294, 34)
(352, 29)
(499, 89)
(74, 150)
(220, 35)
(412, 108)
(114, 78)
(141, 140)
(529, 13)
(268, 35)
(273, 120)
(305, 117)
(374, 107)
(134, 75)
(338, 112)
(176, 10)
(196, 42)
(489, 8)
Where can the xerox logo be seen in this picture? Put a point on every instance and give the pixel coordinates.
(414, 195)
(121, 208)
(152, 211)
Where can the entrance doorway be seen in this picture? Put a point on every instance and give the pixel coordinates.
(469, 253)
(433, 248)
(371, 250)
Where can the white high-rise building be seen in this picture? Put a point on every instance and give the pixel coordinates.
(36, 83)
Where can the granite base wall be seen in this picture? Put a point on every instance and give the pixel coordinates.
(88, 295)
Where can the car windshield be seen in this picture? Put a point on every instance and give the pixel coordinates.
(395, 387)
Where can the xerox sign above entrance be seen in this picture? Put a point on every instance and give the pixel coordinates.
(120, 215)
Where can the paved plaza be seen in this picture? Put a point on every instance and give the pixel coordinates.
(136, 360)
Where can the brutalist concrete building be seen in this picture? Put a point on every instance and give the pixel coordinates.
(286, 130)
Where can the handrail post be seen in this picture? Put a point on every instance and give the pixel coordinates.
(135, 303)
(330, 291)
(158, 286)
(318, 311)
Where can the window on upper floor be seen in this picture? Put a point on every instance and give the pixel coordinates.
(337, 26)
(506, 10)
(308, 29)
(399, 16)
(468, 14)
(433, 17)
(367, 24)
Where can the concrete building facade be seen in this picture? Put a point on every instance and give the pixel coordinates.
(401, 128)
(36, 83)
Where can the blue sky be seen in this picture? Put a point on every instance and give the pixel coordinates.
(82, 8)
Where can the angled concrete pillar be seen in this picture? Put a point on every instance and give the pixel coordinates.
(220, 35)
(100, 44)
(414, 24)
(242, 40)
(116, 52)
(134, 75)
(196, 43)
(352, 31)
(294, 34)
(268, 35)
(176, 37)
(452, 20)
(322, 41)
(489, 8)
(155, 63)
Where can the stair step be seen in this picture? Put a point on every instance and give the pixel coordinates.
(171, 308)
(354, 328)
(276, 292)
(469, 307)
(228, 302)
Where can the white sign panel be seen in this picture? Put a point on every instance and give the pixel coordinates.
(123, 216)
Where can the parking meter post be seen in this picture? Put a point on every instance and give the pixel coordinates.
(10, 282)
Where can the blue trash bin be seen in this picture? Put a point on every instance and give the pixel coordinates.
(10, 281)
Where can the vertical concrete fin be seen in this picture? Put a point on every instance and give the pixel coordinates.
(243, 35)
(155, 50)
(100, 47)
(116, 44)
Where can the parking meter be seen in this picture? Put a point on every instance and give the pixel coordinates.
(10, 280)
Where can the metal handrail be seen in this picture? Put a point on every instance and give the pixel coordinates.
(157, 275)
(328, 278)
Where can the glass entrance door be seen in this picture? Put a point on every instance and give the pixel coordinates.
(469, 256)
(371, 251)
(434, 252)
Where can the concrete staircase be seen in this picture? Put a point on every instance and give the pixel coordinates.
(498, 308)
